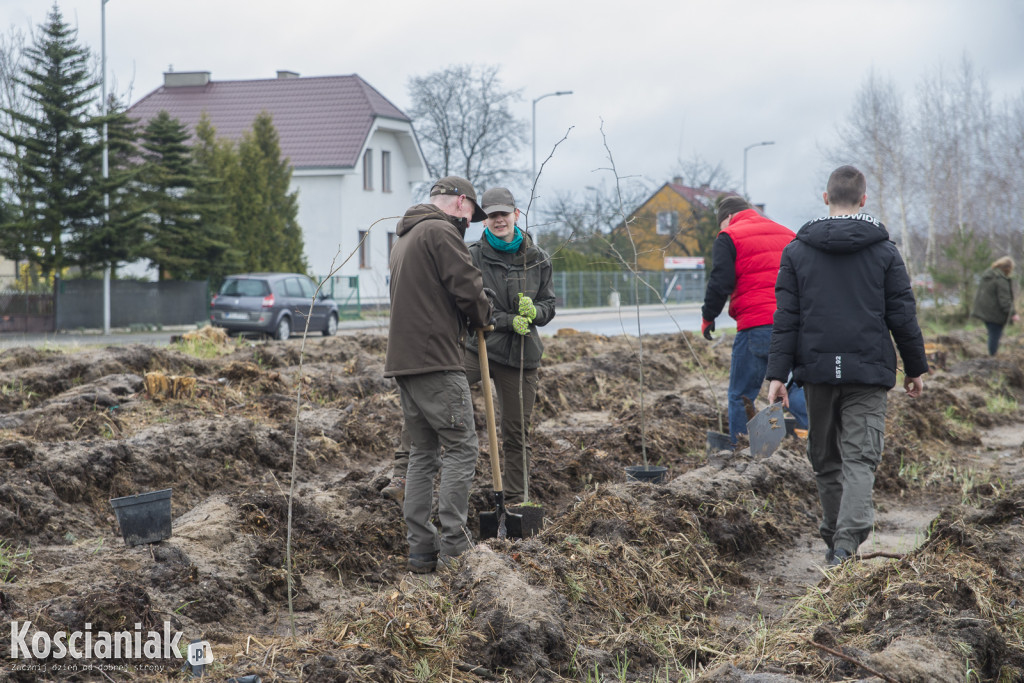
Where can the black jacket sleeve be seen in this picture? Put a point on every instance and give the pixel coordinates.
(901, 317)
(786, 323)
(722, 279)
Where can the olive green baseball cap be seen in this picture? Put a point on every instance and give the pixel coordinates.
(454, 185)
(498, 200)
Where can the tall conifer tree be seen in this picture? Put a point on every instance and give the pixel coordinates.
(168, 181)
(217, 176)
(119, 236)
(268, 232)
(55, 148)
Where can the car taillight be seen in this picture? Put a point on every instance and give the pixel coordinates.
(213, 300)
(268, 301)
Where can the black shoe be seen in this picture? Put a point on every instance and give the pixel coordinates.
(422, 563)
(829, 554)
(839, 555)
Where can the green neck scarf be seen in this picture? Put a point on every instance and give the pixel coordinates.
(501, 245)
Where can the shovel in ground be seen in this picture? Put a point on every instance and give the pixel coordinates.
(501, 523)
(766, 431)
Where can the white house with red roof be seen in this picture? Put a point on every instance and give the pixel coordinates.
(354, 156)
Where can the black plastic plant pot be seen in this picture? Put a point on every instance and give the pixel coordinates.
(650, 474)
(144, 517)
(533, 518)
(717, 441)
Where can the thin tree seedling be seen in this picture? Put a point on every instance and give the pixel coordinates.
(298, 405)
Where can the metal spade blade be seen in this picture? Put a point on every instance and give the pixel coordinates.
(766, 431)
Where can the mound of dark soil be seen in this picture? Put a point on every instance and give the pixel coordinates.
(716, 571)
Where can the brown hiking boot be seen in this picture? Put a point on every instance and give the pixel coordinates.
(395, 490)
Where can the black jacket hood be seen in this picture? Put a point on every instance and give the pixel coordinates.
(843, 234)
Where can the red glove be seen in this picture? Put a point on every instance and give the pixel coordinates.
(706, 328)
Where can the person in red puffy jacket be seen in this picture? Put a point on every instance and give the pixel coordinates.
(744, 264)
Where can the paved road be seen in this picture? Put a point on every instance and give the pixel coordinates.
(653, 319)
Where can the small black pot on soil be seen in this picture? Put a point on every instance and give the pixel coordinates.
(533, 517)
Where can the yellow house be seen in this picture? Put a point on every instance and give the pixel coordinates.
(669, 225)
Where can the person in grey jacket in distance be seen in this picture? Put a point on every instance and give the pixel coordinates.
(993, 304)
(843, 296)
(517, 275)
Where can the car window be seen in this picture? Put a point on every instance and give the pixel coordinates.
(278, 287)
(244, 287)
(308, 288)
(292, 287)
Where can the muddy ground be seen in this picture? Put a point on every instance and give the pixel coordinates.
(715, 575)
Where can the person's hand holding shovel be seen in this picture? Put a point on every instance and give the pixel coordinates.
(777, 392)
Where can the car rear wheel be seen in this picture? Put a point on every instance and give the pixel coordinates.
(284, 329)
(332, 325)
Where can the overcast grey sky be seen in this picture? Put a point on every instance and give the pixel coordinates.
(670, 79)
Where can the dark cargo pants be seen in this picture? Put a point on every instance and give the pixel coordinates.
(515, 421)
(438, 413)
(844, 444)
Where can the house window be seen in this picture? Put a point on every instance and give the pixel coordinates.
(668, 222)
(368, 169)
(364, 249)
(392, 238)
(385, 171)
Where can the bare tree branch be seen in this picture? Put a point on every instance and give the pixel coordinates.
(463, 118)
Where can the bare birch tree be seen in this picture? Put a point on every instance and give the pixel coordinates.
(699, 172)
(875, 133)
(465, 125)
(945, 165)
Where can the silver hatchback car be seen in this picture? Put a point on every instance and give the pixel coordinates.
(275, 304)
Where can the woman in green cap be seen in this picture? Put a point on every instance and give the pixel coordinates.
(517, 277)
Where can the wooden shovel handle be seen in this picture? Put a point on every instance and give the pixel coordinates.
(492, 432)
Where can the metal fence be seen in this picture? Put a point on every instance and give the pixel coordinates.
(25, 312)
(80, 303)
(606, 288)
(344, 289)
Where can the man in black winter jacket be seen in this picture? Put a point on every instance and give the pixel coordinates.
(843, 295)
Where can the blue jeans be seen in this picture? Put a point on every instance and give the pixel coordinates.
(746, 375)
(798, 405)
(749, 364)
(995, 331)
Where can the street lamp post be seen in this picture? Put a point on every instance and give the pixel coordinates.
(106, 167)
(745, 150)
(533, 136)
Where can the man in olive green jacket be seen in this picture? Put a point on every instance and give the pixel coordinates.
(436, 296)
